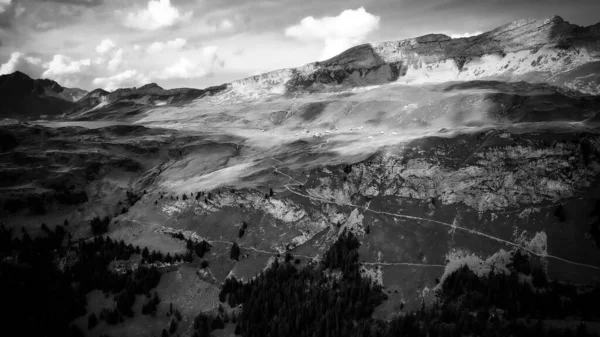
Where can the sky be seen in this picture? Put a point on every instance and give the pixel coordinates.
(198, 43)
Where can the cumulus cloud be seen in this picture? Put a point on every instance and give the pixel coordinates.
(158, 14)
(11, 65)
(30, 65)
(33, 60)
(19, 10)
(116, 60)
(225, 24)
(458, 36)
(105, 46)
(4, 4)
(175, 44)
(127, 78)
(65, 70)
(205, 64)
(87, 3)
(338, 33)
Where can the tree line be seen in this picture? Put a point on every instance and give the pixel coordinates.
(43, 281)
(286, 301)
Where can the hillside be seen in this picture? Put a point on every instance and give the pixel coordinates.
(129, 102)
(424, 187)
(537, 51)
(24, 97)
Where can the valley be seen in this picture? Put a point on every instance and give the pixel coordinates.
(396, 168)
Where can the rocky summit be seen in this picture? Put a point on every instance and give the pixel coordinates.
(425, 182)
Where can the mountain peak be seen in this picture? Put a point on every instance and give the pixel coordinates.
(554, 19)
(151, 86)
(19, 74)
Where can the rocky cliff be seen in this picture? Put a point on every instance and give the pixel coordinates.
(538, 51)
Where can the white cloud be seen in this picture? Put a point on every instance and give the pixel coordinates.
(65, 70)
(226, 24)
(175, 44)
(4, 4)
(337, 32)
(183, 69)
(158, 14)
(11, 65)
(206, 63)
(105, 46)
(127, 78)
(63, 65)
(30, 65)
(45, 25)
(458, 36)
(137, 47)
(19, 10)
(116, 60)
(33, 60)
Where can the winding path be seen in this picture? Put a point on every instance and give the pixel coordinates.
(452, 226)
(401, 264)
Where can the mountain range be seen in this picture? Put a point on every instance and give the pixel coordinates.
(427, 166)
(550, 51)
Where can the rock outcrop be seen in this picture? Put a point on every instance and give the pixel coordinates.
(551, 50)
(487, 172)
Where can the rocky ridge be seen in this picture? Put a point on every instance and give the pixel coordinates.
(551, 50)
(22, 96)
(127, 102)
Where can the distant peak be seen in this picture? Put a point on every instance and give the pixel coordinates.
(150, 86)
(554, 19)
(18, 74)
(97, 93)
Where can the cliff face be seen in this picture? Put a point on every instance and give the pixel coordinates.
(551, 50)
(51, 88)
(487, 172)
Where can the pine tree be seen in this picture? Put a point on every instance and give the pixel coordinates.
(559, 213)
(172, 326)
(235, 251)
(92, 321)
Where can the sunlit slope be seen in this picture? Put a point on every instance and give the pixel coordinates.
(548, 52)
(388, 108)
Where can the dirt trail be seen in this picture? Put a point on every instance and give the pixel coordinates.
(452, 226)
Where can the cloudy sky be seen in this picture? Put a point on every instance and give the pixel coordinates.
(197, 43)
